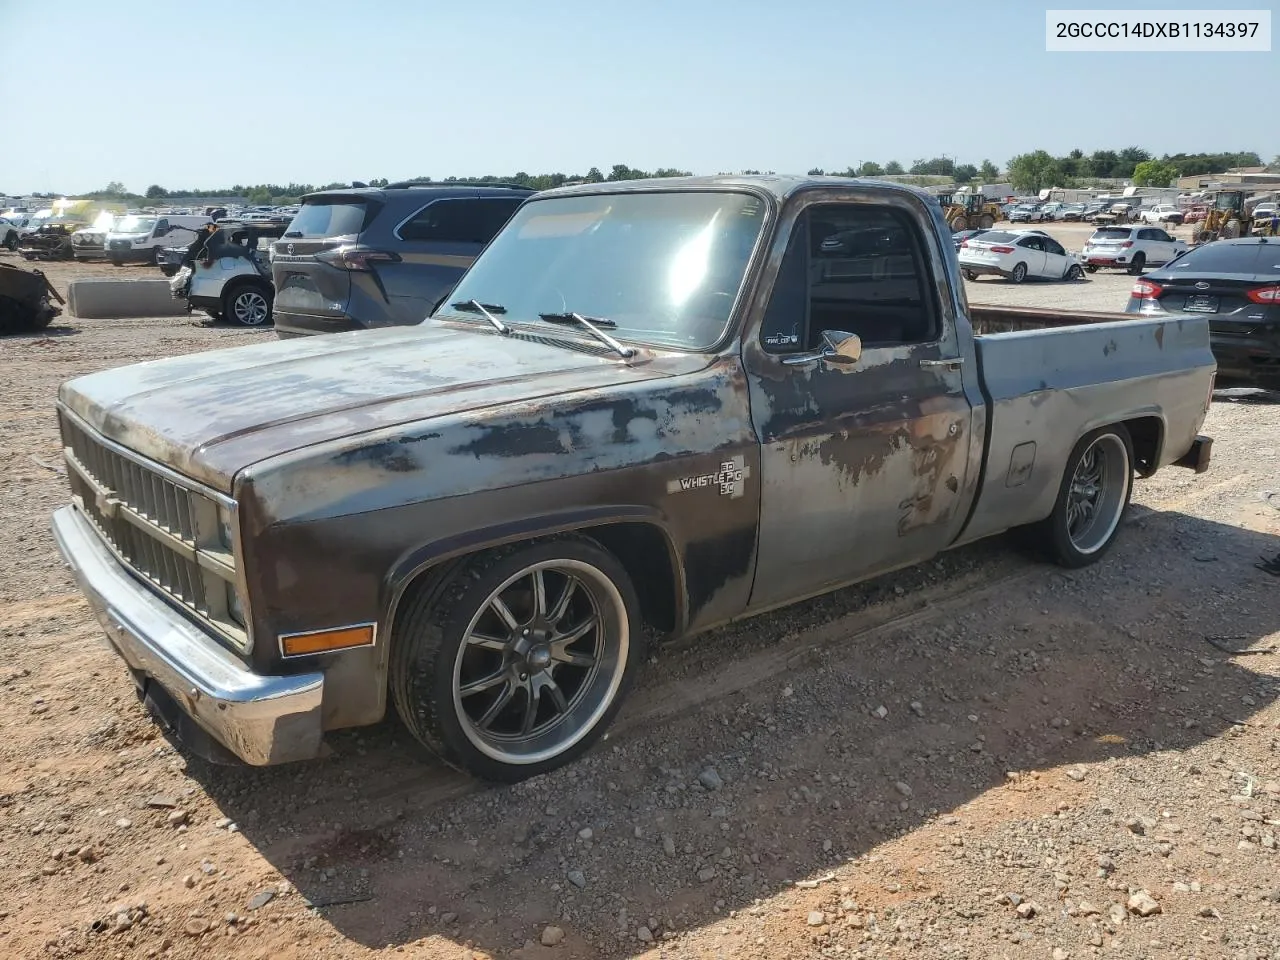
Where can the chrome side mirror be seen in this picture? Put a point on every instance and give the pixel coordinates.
(837, 347)
(841, 347)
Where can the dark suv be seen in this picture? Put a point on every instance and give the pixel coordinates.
(380, 257)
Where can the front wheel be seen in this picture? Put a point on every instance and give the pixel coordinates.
(1074, 272)
(514, 662)
(11, 241)
(1096, 486)
(986, 223)
(1019, 273)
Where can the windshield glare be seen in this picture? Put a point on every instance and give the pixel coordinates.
(665, 267)
(132, 224)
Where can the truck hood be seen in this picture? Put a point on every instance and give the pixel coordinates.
(210, 415)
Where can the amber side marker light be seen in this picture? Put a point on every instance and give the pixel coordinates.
(326, 641)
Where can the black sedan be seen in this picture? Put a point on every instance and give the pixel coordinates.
(1236, 283)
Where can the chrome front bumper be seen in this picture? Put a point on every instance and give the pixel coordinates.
(262, 720)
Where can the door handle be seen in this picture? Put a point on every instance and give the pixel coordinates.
(950, 362)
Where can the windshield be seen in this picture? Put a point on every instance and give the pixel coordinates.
(132, 224)
(665, 267)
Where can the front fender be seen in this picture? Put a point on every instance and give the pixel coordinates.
(416, 561)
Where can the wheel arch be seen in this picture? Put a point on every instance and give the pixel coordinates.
(637, 536)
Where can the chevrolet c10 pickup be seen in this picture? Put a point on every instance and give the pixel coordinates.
(647, 409)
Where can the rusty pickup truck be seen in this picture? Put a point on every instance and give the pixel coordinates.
(647, 409)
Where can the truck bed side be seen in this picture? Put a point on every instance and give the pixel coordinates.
(1045, 388)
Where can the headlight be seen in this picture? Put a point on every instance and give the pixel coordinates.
(226, 533)
(234, 609)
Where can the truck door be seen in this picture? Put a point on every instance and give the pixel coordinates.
(864, 465)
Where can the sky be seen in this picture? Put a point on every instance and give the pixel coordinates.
(209, 94)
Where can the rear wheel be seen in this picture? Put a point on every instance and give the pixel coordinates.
(11, 240)
(986, 223)
(1019, 273)
(1091, 268)
(1096, 486)
(969, 274)
(247, 304)
(959, 223)
(513, 662)
(1135, 266)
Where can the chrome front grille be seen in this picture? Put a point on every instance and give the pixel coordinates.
(163, 527)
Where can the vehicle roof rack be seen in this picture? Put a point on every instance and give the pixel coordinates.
(407, 184)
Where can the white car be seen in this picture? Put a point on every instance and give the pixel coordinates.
(1130, 248)
(1017, 255)
(10, 233)
(1161, 213)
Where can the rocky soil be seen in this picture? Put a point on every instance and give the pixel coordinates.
(981, 757)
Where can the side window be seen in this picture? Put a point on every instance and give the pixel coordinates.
(1032, 243)
(853, 267)
(162, 225)
(787, 316)
(1162, 236)
(492, 215)
(463, 220)
(1053, 246)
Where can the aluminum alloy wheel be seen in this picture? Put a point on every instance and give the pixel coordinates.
(250, 308)
(1097, 493)
(541, 661)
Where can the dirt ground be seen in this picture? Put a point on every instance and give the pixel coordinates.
(980, 757)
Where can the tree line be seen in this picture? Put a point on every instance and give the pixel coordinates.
(1028, 172)
(1031, 172)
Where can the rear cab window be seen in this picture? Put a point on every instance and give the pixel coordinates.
(1112, 233)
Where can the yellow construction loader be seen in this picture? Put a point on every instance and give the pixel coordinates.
(1225, 219)
(971, 211)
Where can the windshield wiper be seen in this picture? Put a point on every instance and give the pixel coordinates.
(487, 309)
(592, 328)
(294, 233)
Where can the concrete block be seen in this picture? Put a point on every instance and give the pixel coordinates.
(116, 299)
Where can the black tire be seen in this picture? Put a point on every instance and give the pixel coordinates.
(117, 263)
(1137, 264)
(968, 274)
(155, 256)
(1074, 272)
(986, 223)
(247, 303)
(1091, 268)
(1019, 273)
(1054, 534)
(430, 651)
(11, 241)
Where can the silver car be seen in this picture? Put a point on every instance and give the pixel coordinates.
(228, 278)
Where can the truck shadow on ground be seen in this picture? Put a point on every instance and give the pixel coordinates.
(1058, 668)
